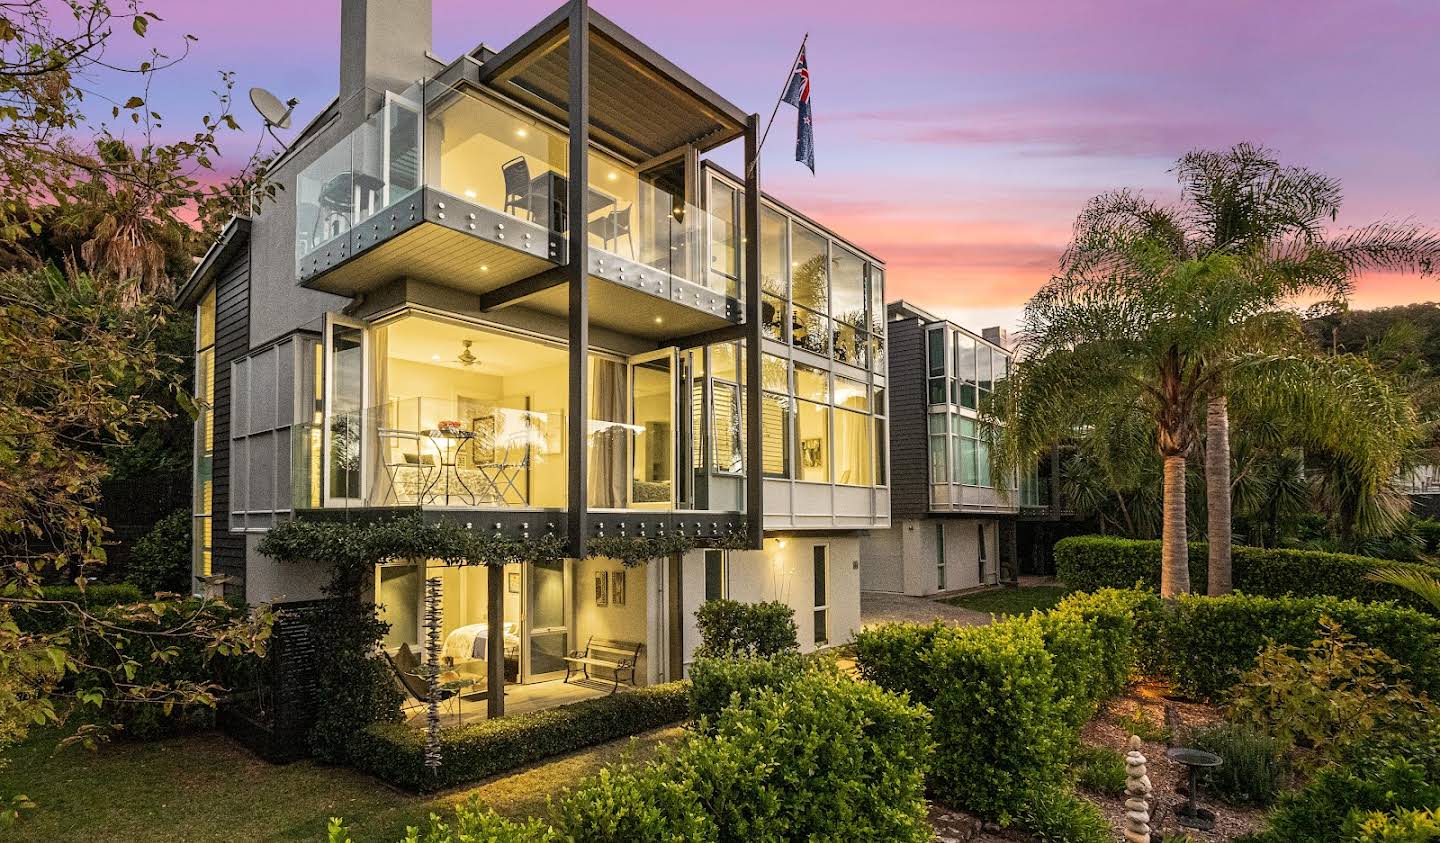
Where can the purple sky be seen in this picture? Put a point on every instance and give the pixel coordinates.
(957, 140)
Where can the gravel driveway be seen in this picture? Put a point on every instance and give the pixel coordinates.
(880, 607)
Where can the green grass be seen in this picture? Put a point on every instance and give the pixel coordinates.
(209, 788)
(1011, 601)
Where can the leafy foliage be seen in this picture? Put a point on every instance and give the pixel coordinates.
(1091, 562)
(1099, 769)
(718, 682)
(731, 628)
(160, 560)
(395, 753)
(1209, 643)
(1331, 697)
(1338, 801)
(1403, 826)
(1254, 767)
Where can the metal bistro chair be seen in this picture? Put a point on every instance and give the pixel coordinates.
(518, 193)
(614, 225)
(409, 673)
(405, 456)
(501, 458)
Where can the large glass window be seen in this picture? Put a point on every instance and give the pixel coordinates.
(715, 575)
(814, 429)
(821, 560)
(347, 367)
(774, 244)
(853, 449)
(935, 354)
(724, 238)
(203, 535)
(847, 290)
(851, 394)
(965, 353)
(778, 418)
(811, 383)
(939, 460)
(810, 290)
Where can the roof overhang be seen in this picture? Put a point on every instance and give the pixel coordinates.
(233, 240)
(641, 104)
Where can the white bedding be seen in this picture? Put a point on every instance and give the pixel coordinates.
(468, 643)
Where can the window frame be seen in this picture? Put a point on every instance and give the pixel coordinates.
(820, 617)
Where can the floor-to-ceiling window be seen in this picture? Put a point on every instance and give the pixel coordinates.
(204, 487)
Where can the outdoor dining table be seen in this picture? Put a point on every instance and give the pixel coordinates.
(448, 441)
(552, 189)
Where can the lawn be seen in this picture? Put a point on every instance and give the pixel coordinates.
(1011, 601)
(209, 788)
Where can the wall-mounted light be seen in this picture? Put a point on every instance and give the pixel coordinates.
(658, 320)
(612, 176)
(469, 194)
(435, 357)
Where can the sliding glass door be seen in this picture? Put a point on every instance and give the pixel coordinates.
(547, 619)
(344, 431)
(652, 430)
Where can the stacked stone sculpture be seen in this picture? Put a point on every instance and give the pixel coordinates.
(432, 670)
(1137, 793)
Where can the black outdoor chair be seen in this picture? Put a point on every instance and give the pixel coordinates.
(407, 671)
(518, 195)
(612, 227)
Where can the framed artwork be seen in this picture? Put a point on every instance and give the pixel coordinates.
(617, 588)
(810, 452)
(602, 589)
(514, 580)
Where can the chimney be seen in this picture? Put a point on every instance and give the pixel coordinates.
(997, 335)
(383, 45)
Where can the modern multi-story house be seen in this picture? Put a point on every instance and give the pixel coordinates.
(509, 292)
(953, 526)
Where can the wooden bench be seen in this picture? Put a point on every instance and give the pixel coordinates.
(619, 657)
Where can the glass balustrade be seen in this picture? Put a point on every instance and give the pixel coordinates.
(481, 150)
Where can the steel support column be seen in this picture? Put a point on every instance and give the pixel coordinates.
(495, 642)
(578, 274)
(754, 451)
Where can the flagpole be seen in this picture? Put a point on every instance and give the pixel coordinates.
(776, 110)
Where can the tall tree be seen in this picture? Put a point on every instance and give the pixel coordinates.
(1205, 287)
(1163, 311)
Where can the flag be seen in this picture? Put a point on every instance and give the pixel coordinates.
(797, 93)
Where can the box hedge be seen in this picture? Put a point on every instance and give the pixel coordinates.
(719, 682)
(1209, 641)
(1087, 563)
(395, 752)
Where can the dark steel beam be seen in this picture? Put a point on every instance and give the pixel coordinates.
(729, 333)
(539, 39)
(495, 644)
(578, 272)
(524, 288)
(754, 452)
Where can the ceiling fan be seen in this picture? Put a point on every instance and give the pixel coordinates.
(467, 358)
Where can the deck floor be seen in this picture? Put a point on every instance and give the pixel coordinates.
(519, 699)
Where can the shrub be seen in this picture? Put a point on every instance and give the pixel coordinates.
(1253, 771)
(731, 628)
(92, 597)
(1000, 731)
(1055, 814)
(713, 681)
(473, 823)
(825, 758)
(133, 652)
(395, 752)
(356, 684)
(1422, 826)
(618, 805)
(1210, 641)
(1332, 806)
(1099, 769)
(1087, 563)
(1119, 618)
(1332, 696)
(160, 560)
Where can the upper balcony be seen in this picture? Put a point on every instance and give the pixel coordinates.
(462, 181)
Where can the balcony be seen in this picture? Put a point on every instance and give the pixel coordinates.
(452, 186)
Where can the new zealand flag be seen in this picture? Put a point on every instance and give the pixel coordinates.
(797, 93)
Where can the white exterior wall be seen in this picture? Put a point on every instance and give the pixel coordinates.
(904, 558)
(784, 573)
(268, 581)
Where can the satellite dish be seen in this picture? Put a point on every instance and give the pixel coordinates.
(275, 113)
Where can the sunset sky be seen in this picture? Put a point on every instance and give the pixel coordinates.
(957, 140)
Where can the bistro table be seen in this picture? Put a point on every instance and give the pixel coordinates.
(551, 189)
(448, 439)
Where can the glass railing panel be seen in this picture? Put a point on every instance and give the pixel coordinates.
(324, 199)
(495, 156)
(466, 453)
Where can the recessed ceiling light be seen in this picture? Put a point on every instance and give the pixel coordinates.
(520, 133)
(612, 176)
(469, 194)
(484, 268)
(658, 320)
(435, 357)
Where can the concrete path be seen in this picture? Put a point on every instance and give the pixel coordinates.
(879, 607)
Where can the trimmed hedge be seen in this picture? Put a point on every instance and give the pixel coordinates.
(716, 683)
(1209, 641)
(395, 753)
(732, 628)
(1087, 563)
(1004, 720)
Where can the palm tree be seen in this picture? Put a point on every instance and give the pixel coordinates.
(1413, 579)
(1199, 291)
(1167, 311)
